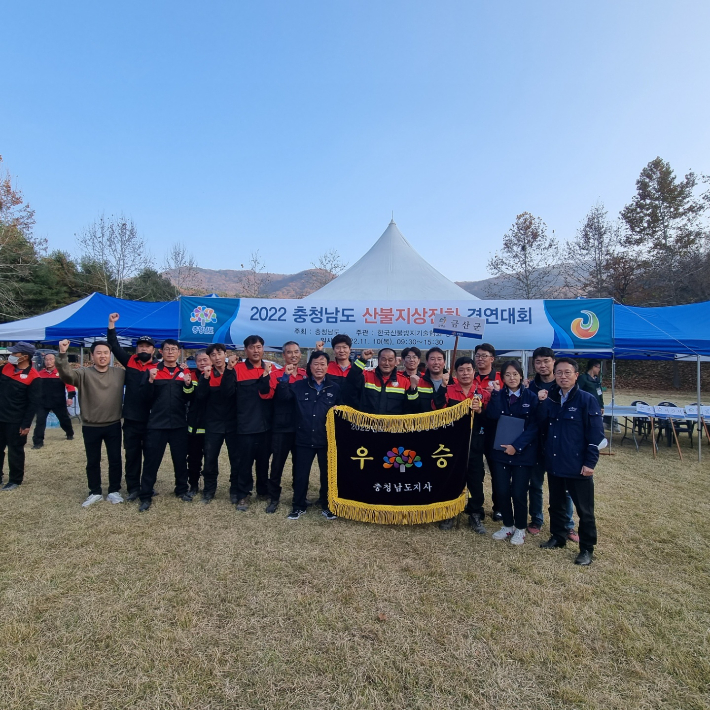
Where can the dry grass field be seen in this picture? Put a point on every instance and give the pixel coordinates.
(201, 607)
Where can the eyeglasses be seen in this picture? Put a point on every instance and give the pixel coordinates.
(482, 356)
(171, 350)
(564, 373)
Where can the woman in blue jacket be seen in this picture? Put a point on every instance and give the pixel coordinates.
(312, 398)
(513, 461)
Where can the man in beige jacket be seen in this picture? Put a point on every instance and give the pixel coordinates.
(100, 399)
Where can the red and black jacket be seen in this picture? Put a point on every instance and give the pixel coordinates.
(219, 405)
(427, 392)
(336, 373)
(54, 392)
(135, 406)
(20, 395)
(373, 393)
(167, 397)
(253, 395)
(285, 413)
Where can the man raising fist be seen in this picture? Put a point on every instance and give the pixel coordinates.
(100, 398)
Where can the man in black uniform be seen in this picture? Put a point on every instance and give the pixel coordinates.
(19, 399)
(167, 389)
(220, 419)
(56, 397)
(135, 407)
(196, 427)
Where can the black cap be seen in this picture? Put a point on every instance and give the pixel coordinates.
(145, 339)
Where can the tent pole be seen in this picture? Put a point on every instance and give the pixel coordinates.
(613, 397)
(700, 436)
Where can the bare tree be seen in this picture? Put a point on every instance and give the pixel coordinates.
(256, 281)
(527, 261)
(181, 267)
(328, 266)
(118, 251)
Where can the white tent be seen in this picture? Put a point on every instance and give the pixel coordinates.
(392, 269)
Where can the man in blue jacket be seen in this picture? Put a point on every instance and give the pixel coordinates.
(313, 397)
(573, 422)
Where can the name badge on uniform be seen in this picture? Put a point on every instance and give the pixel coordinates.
(23, 377)
(181, 376)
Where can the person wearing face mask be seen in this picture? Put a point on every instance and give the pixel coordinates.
(20, 396)
(573, 420)
(248, 383)
(135, 406)
(311, 398)
(514, 459)
(382, 390)
(56, 397)
(100, 398)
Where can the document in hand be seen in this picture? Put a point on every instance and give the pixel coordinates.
(508, 430)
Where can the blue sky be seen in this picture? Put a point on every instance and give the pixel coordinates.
(296, 127)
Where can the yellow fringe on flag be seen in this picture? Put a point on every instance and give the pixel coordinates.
(399, 424)
(397, 515)
(392, 514)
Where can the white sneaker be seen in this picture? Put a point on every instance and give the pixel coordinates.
(504, 533)
(93, 498)
(518, 537)
(114, 497)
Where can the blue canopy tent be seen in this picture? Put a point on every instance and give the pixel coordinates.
(88, 319)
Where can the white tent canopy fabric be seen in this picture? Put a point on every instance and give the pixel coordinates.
(392, 269)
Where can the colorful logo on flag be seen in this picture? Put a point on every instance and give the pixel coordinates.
(203, 315)
(587, 327)
(402, 458)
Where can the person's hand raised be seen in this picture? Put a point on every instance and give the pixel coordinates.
(113, 317)
(320, 345)
(232, 361)
(367, 354)
(291, 369)
(187, 377)
(267, 368)
(152, 374)
(63, 346)
(207, 372)
(542, 395)
(414, 381)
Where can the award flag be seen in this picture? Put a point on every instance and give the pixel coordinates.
(398, 470)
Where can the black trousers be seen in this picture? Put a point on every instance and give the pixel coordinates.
(582, 492)
(134, 434)
(10, 438)
(262, 467)
(110, 436)
(475, 477)
(302, 473)
(282, 443)
(195, 454)
(213, 445)
(250, 448)
(155, 442)
(61, 413)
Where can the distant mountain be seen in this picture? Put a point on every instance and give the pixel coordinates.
(244, 283)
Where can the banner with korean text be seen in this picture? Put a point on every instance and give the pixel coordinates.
(398, 470)
(509, 325)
